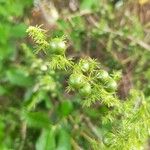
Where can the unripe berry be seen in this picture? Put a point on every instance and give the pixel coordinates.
(102, 75)
(85, 90)
(76, 80)
(57, 46)
(111, 85)
(85, 66)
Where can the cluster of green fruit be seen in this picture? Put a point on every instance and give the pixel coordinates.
(109, 83)
(87, 75)
(83, 71)
(78, 82)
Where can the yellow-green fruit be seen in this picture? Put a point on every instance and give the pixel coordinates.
(57, 46)
(102, 75)
(85, 90)
(111, 85)
(76, 80)
(85, 66)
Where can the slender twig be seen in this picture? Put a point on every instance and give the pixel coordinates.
(87, 137)
(137, 41)
(75, 145)
(78, 14)
(23, 135)
(92, 127)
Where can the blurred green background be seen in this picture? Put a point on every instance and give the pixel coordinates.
(35, 111)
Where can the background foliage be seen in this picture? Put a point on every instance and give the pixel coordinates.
(36, 110)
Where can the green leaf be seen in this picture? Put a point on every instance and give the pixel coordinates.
(63, 24)
(5, 33)
(2, 133)
(65, 108)
(46, 141)
(16, 9)
(2, 90)
(19, 77)
(93, 113)
(18, 31)
(36, 119)
(64, 140)
(88, 4)
(6, 51)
